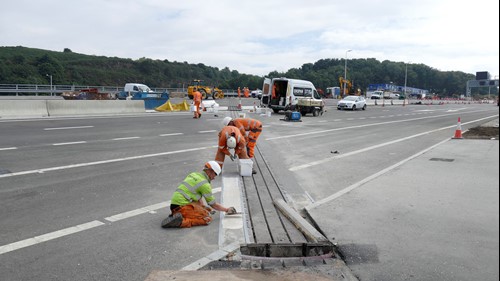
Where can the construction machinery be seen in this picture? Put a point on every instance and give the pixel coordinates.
(348, 86)
(206, 91)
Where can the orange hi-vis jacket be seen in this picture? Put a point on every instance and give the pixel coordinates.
(249, 125)
(253, 128)
(197, 97)
(227, 132)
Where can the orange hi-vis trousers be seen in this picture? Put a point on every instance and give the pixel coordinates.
(252, 141)
(193, 214)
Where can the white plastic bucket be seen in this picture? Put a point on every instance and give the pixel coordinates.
(245, 166)
(192, 108)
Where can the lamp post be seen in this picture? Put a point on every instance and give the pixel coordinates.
(345, 72)
(48, 75)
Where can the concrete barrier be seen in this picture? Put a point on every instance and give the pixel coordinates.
(94, 107)
(23, 108)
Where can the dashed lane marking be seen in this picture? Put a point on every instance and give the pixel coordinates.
(85, 226)
(102, 162)
(67, 128)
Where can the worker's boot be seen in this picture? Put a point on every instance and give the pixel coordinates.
(174, 220)
(254, 171)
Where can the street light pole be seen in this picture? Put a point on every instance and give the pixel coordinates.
(50, 83)
(345, 72)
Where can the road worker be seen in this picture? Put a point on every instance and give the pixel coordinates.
(250, 128)
(230, 138)
(239, 92)
(246, 92)
(197, 97)
(187, 203)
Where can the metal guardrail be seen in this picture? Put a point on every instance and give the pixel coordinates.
(34, 89)
(56, 90)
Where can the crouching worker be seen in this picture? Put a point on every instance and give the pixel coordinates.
(231, 139)
(187, 206)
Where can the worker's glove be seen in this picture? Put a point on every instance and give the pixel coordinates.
(231, 211)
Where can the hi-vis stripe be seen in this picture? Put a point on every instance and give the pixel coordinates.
(192, 189)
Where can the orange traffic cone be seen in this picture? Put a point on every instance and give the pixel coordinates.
(458, 131)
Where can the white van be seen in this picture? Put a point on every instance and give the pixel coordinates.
(288, 93)
(136, 87)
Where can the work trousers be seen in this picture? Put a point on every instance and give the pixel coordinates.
(197, 109)
(252, 141)
(193, 214)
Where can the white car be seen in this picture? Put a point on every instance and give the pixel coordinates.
(256, 94)
(352, 102)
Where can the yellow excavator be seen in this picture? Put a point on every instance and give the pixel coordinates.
(206, 91)
(348, 86)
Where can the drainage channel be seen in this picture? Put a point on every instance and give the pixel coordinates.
(276, 235)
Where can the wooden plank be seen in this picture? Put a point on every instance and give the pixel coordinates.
(294, 235)
(307, 229)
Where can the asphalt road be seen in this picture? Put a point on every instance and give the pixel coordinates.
(83, 198)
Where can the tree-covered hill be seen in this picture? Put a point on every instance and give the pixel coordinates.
(22, 65)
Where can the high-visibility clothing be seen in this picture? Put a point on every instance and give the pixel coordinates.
(222, 150)
(197, 97)
(251, 129)
(194, 187)
(193, 214)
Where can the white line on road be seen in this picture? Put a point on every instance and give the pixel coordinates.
(8, 148)
(47, 237)
(127, 138)
(102, 162)
(360, 183)
(69, 143)
(173, 134)
(68, 128)
(319, 162)
(81, 227)
(209, 131)
(370, 125)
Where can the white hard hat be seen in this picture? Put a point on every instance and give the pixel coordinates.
(231, 142)
(226, 120)
(214, 166)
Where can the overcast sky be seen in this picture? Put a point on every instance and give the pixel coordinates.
(260, 36)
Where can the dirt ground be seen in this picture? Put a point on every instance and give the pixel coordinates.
(482, 132)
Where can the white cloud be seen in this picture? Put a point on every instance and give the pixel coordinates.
(260, 36)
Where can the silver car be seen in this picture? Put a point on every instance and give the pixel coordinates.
(352, 102)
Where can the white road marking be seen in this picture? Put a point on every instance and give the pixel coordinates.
(69, 143)
(209, 131)
(47, 237)
(102, 162)
(322, 161)
(360, 183)
(8, 148)
(173, 134)
(369, 125)
(68, 128)
(81, 227)
(127, 138)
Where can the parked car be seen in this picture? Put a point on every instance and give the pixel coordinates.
(352, 102)
(256, 94)
(375, 97)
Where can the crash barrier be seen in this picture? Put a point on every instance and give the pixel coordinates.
(89, 107)
(44, 108)
(23, 108)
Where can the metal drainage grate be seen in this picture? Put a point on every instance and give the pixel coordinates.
(442, 159)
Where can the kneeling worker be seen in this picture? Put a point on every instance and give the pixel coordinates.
(187, 206)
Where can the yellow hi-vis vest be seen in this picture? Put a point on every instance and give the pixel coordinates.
(193, 188)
